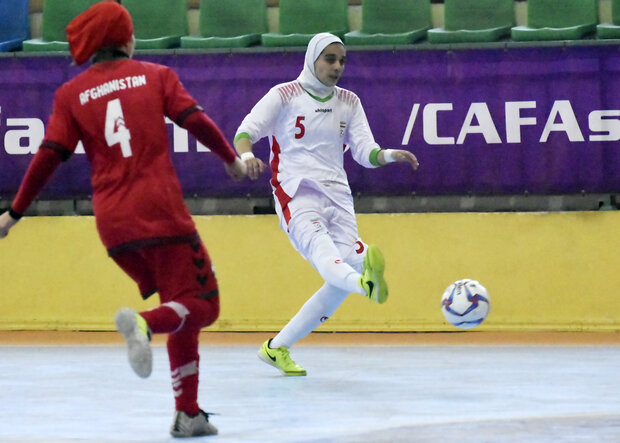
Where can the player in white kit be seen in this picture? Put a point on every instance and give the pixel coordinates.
(309, 121)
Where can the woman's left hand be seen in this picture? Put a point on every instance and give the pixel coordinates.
(400, 156)
(6, 223)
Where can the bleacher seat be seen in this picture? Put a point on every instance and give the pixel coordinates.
(474, 21)
(56, 16)
(395, 22)
(158, 24)
(558, 20)
(611, 30)
(300, 20)
(229, 24)
(14, 24)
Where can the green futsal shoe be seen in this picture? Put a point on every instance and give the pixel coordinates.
(280, 359)
(372, 280)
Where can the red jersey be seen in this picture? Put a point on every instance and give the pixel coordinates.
(117, 109)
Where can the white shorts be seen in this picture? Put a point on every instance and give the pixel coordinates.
(313, 213)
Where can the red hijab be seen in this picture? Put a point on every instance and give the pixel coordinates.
(104, 24)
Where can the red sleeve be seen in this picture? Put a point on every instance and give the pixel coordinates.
(38, 174)
(61, 138)
(62, 131)
(177, 101)
(207, 133)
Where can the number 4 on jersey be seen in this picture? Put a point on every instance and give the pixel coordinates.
(115, 129)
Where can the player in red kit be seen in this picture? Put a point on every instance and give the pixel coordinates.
(116, 108)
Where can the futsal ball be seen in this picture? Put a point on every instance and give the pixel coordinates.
(465, 303)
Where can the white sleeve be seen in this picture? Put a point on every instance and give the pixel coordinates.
(259, 122)
(359, 137)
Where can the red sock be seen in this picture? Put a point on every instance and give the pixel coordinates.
(184, 365)
(182, 320)
(182, 352)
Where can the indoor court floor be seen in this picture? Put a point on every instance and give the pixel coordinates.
(425, 387)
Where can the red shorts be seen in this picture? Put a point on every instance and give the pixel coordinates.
(173, 270)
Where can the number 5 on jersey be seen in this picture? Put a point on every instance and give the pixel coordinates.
(300, 126)
(115, 129)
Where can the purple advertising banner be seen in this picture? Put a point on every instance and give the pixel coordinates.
(541, 120)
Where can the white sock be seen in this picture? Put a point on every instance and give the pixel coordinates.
(315, 311)
(326, 259)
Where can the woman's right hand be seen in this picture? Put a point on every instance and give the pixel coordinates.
(255, 167)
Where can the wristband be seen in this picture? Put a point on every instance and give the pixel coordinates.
(247, 156)
(15, 215)
(387, 156)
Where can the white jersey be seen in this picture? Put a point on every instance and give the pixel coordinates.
(308, 138)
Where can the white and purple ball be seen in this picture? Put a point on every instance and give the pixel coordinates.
(465, 303)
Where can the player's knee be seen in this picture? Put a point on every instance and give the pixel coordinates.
(211, 311)
(200, 312)
(354, 255)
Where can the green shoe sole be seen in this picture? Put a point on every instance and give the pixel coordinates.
(376, 264)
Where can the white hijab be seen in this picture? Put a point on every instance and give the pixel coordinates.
(308, 78)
